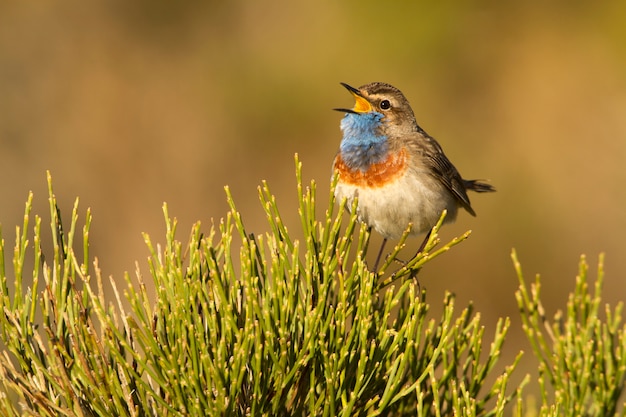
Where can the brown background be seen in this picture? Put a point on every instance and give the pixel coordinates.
(131, 104)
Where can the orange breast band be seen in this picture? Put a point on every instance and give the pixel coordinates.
(377, 175)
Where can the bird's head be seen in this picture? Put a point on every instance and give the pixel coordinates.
(380, 105)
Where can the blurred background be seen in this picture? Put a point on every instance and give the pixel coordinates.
(132, 104)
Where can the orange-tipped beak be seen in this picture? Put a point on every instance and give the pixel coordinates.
(361, 105)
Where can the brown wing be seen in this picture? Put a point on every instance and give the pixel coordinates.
(445, 172)
(440, 167)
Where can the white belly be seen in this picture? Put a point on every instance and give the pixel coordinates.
(389, 209)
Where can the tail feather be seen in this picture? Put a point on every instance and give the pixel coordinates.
(478, 186)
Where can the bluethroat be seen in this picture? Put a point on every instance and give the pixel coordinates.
(398, 172)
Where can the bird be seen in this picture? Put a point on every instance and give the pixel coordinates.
(398, 172)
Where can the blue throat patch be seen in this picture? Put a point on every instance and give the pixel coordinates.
(362, 144)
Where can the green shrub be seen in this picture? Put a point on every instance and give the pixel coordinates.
(247, 324)
(582, 359)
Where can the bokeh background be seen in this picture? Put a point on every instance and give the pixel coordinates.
(132, 104)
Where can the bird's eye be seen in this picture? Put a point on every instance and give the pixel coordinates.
(385, 105)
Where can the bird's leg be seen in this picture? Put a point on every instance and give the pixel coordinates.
(420, 250)
(380, 254)
(414, 273)
(424, 242)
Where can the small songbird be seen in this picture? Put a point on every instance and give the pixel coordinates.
(398, 172)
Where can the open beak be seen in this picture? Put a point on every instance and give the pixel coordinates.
(361, 105)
